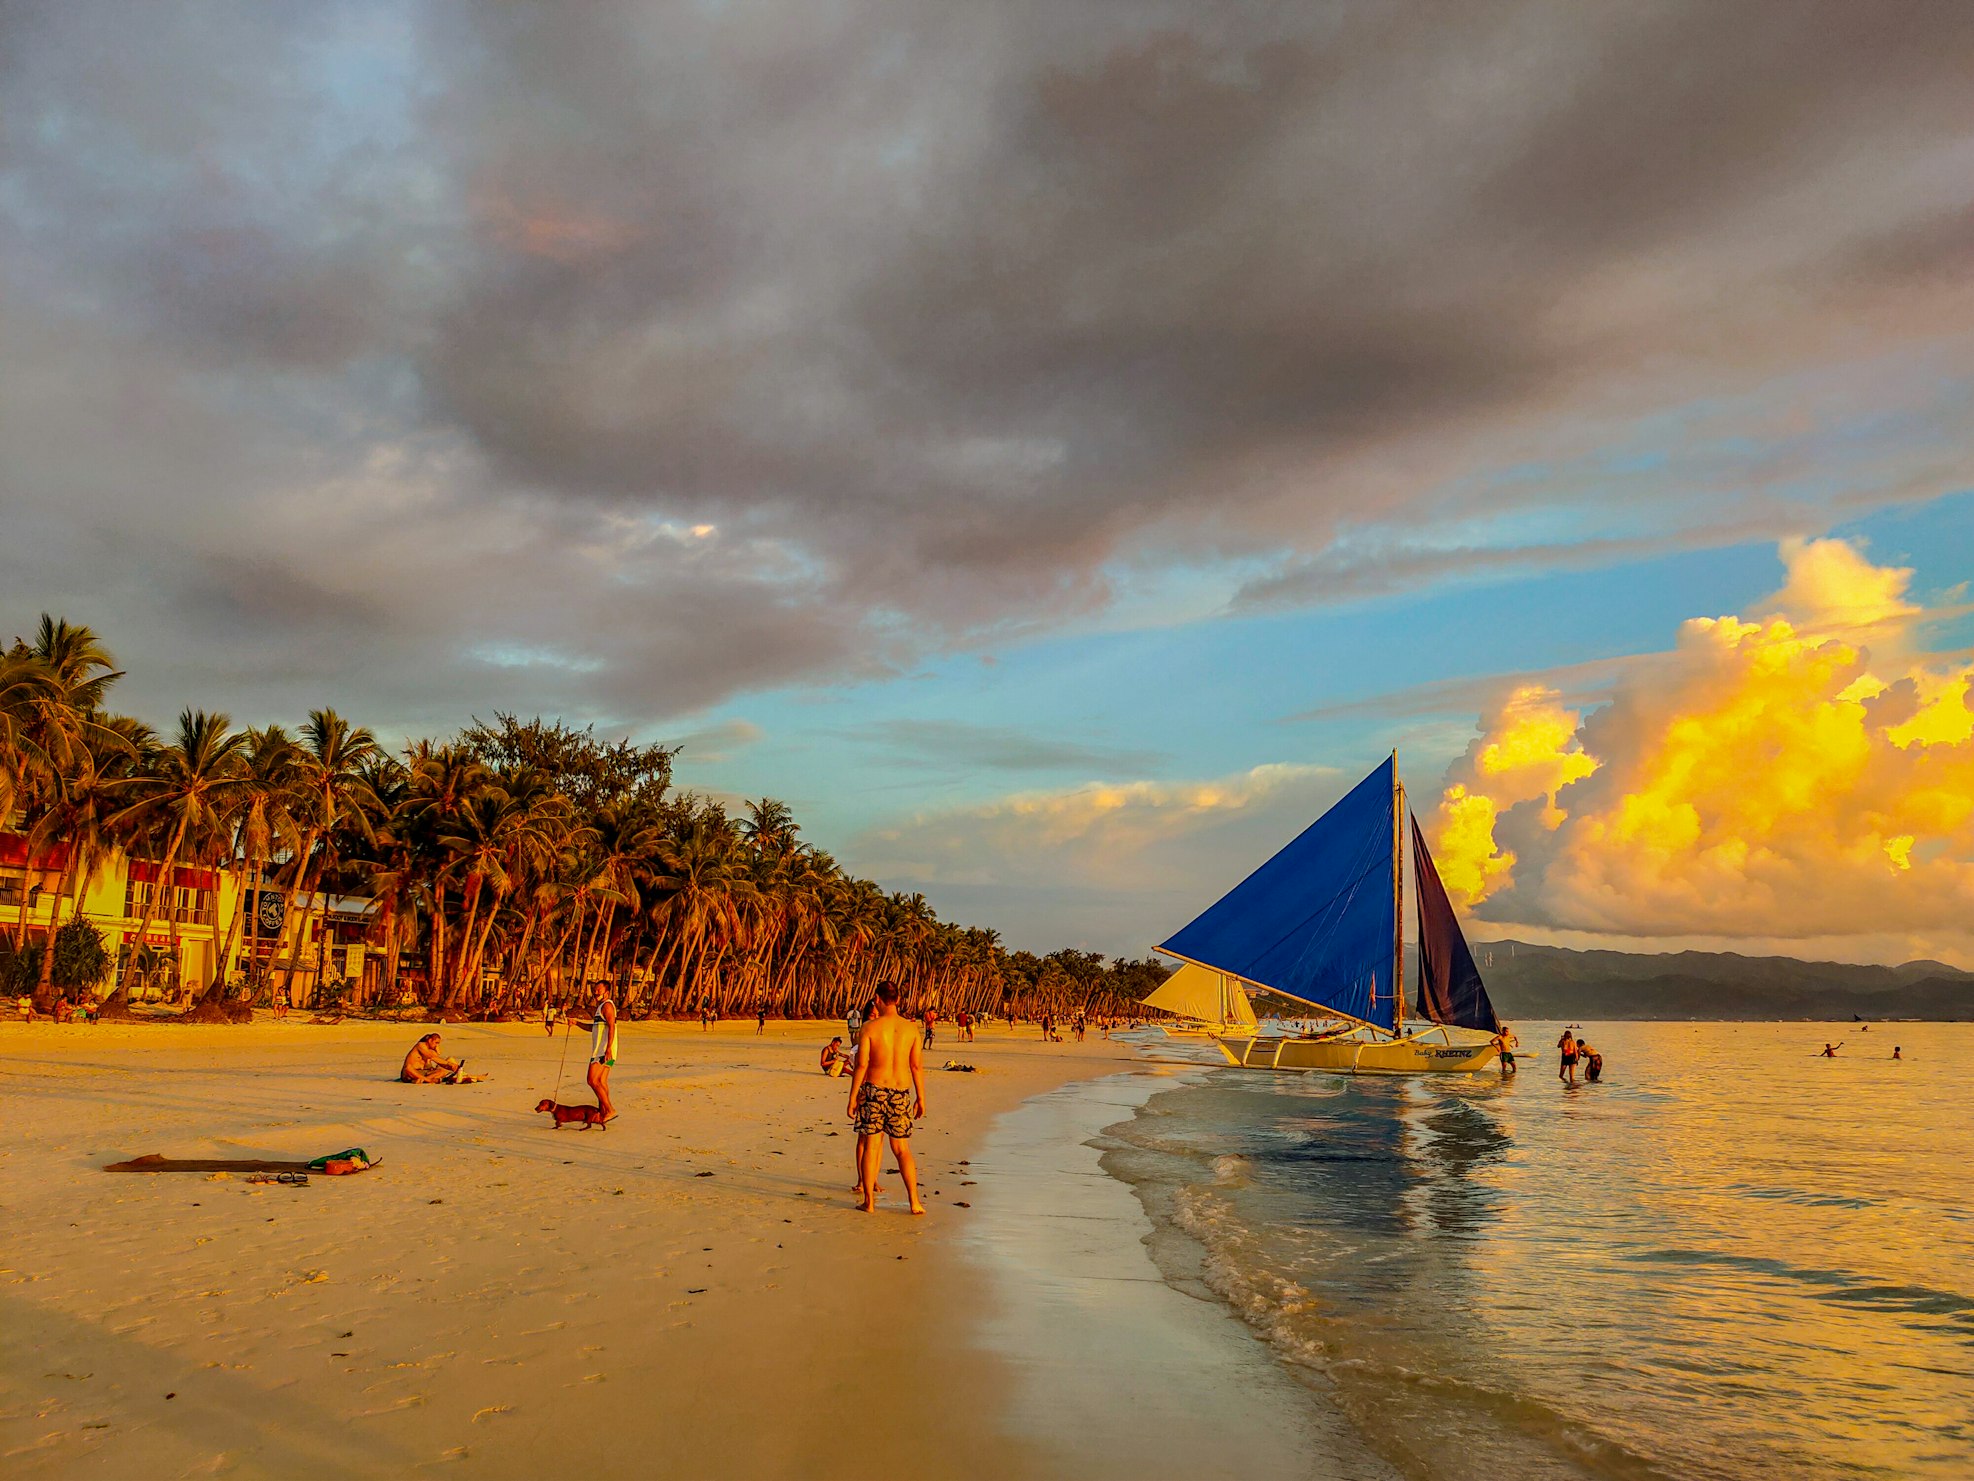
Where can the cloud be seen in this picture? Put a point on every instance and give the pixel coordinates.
(424, 331)
(717, 743)
(1115, 867)
(1808, 774)
(952, 745)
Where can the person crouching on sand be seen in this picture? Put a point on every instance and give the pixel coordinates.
(603, 1049)
(424, 1066)
(887, 1094)
(833, 1058)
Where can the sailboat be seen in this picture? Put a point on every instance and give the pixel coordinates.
(1209, 1002)
(1322, 922)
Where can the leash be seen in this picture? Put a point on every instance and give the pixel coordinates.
(566, 1026)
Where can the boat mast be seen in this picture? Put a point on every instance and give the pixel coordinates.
(1398, 898)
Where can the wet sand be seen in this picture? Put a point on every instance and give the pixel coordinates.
(690, 1291)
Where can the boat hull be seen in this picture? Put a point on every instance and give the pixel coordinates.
(1357, 1056)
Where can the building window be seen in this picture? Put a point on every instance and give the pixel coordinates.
(181, 903)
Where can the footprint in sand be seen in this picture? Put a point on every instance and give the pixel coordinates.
(409, 1401)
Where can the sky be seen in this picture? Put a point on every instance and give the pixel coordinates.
(1058, 448)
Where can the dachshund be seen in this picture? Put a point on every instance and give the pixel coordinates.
(587, 1115)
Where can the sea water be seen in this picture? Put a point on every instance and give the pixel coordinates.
(1732, 1258)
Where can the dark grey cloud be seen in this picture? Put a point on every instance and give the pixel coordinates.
(618, 357)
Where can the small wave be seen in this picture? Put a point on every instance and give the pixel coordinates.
(1803, 1196)
(1920, 1300)
(1231, 1168)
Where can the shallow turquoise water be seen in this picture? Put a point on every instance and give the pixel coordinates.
(1731, 1259)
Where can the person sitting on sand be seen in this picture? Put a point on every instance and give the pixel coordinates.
(833, 1058)
(887, 1094)
(425, 1066)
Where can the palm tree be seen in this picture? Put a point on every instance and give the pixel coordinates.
(331, 794)
(443, 780)
(264, 825)
(77, 821)
(190, 790)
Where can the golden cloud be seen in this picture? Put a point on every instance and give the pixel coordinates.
(1767, 778)
(1178, 838)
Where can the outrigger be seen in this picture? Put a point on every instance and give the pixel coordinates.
(1323, 922)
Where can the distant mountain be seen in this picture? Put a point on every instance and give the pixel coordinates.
(1528, 981)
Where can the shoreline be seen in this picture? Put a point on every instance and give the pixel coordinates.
(692, 1283)
(1119, 1369)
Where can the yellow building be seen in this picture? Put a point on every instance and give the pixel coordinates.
(193, 926)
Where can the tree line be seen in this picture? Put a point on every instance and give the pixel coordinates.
(512, 864)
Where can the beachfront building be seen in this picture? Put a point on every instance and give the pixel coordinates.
(195, 924)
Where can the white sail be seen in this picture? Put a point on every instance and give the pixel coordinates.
(1210, 997)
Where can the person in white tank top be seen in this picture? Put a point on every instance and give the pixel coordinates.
(603, 1049)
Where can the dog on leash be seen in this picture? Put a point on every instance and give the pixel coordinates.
(588, 1116)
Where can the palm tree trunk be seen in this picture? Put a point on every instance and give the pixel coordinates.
(555, 960)
(27, 869)
(258, 874)
(392, 932)
(517, 962)
(301, 920)
(218, 983)
(46, 980)
(474, 884)
(321, 936)
(122, 993)
(435, 967)
(480, 948)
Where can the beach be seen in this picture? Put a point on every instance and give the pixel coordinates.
(689, 1291)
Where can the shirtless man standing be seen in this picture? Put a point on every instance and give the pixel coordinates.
(887, 1093)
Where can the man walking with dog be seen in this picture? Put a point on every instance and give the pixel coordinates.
(887, 1094)
(603, 1049)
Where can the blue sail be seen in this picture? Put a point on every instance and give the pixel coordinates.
(1316, 921)
(1450, 986)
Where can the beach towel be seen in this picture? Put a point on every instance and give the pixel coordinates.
(335, 1164)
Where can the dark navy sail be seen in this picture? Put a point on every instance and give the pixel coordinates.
(1315, 921)
(1450, 987)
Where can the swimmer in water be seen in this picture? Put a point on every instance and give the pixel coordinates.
(1830, 1050)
